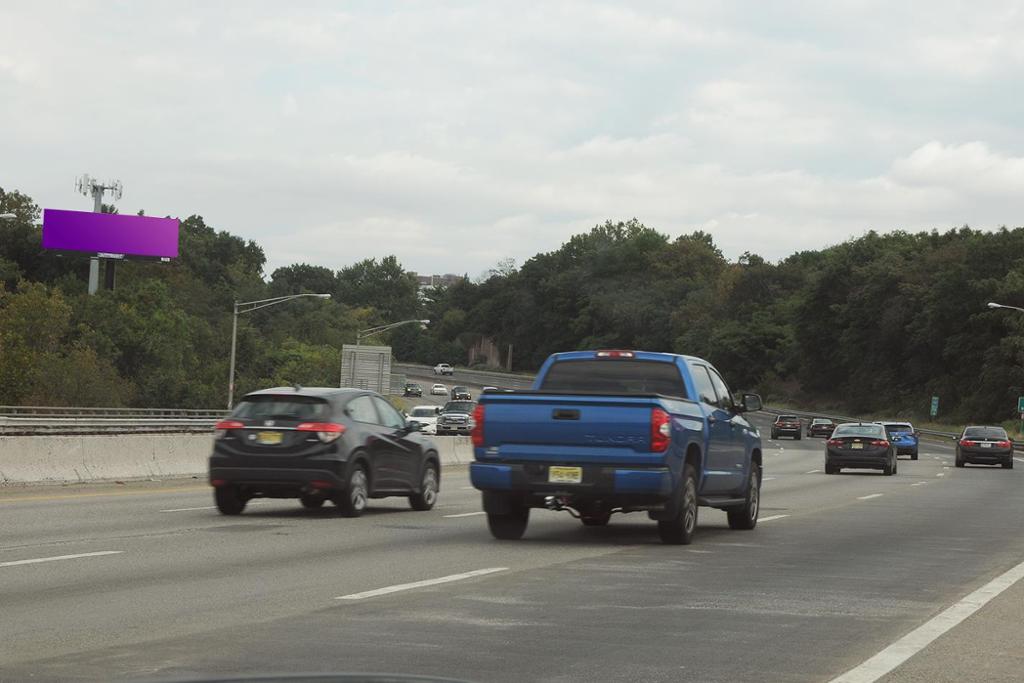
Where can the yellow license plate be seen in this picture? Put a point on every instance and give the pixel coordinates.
(565, 475)
(857, 445)
(269, 438)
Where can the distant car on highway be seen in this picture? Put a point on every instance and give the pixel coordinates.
(860, 445)
(904, 438)
(443, 369)
(319, 444)
(456, 418)
(412, 389)
(984, 445)
(426, 416)
(461, 394)
(488, 389)
(820, 426)
(786, 425)
(439, 390)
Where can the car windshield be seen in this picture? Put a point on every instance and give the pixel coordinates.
(858, 430)
(459, 407)
(615, 377)
(986, 433)
(282, 407)
(423, 412)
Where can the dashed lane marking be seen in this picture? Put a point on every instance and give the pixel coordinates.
(421, 584)
(870, 496)
(58, 558)
(465, 514)
(813, 472)
(771, 517)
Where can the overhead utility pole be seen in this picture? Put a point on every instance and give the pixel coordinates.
(89, 186)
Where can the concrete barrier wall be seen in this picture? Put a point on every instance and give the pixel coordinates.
(59, 459)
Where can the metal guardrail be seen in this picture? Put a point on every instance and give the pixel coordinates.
(50, 420)
(92, 412)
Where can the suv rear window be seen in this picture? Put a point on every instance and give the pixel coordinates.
(615, 377)
(282, 408)
(896, 428)
(986, 433)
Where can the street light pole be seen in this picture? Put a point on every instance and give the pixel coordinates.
(1013, 308)
(254, 306)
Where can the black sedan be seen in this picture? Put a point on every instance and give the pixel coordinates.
(412, 389)
(821, 426)
(319, 444)
(984, 445)
(859, 445)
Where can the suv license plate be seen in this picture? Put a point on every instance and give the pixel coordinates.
(565, 475)
(269, 438)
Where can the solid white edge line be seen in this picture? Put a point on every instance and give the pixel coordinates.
(922, 636)
(205, 507)
(420, 584)
(465, 514)
(771, 517)
(57, 558)
(812, 472)
(870, 496)
(941, 474)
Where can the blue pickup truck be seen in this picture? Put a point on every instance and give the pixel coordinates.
(618, 431)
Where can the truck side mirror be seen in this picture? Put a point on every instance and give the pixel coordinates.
(750, 403)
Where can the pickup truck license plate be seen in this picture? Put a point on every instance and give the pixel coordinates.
(565, 475)
(857, 445)
(269, 438)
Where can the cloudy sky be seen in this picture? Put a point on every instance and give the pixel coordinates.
(456, 134)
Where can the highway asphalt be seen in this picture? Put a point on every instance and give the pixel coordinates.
(153, 584)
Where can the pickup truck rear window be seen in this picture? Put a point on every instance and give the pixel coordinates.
(615, 377)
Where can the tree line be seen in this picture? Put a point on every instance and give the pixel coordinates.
(880, 323)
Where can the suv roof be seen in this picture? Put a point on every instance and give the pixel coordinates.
(314, 392)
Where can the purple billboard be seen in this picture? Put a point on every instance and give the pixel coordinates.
(110, 233)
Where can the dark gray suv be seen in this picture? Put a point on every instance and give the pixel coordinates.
(319, 444)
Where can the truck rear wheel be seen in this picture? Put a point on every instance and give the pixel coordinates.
(679, 530)
(745, 517)
(509, 526)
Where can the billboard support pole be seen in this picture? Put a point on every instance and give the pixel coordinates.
(90, 186)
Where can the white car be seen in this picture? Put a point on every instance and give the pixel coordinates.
(443, 369)
(427, 417)
(439, 390)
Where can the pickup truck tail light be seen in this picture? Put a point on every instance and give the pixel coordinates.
(325, 431)
(220, 430)
(661, 430)
(477, 433)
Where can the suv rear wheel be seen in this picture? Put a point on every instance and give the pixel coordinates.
(425, 499)
(229, 500)
(352, 501)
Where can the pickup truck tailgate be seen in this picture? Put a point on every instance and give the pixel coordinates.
(541, 426)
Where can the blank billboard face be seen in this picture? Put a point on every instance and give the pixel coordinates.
(110, 233)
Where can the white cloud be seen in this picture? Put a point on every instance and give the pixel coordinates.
(457, 134)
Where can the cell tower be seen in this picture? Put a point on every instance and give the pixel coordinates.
(90, 187)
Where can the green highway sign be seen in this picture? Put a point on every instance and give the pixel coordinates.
(935, 405)
(1020, 405)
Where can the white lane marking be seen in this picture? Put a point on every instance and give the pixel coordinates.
(941, 474)
(213, 507)
(1019, 459)
(465, 514)
(768, 478)
(812, 472)
(57, 558)
(467, 488)
(918, 639)
(420, 584)
(770, 518)
(869, 497)
(920, 483)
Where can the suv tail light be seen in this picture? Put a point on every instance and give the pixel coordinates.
(967, 443)
(220, 430)
(477, 432)
(325, 431)
(661, 430)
